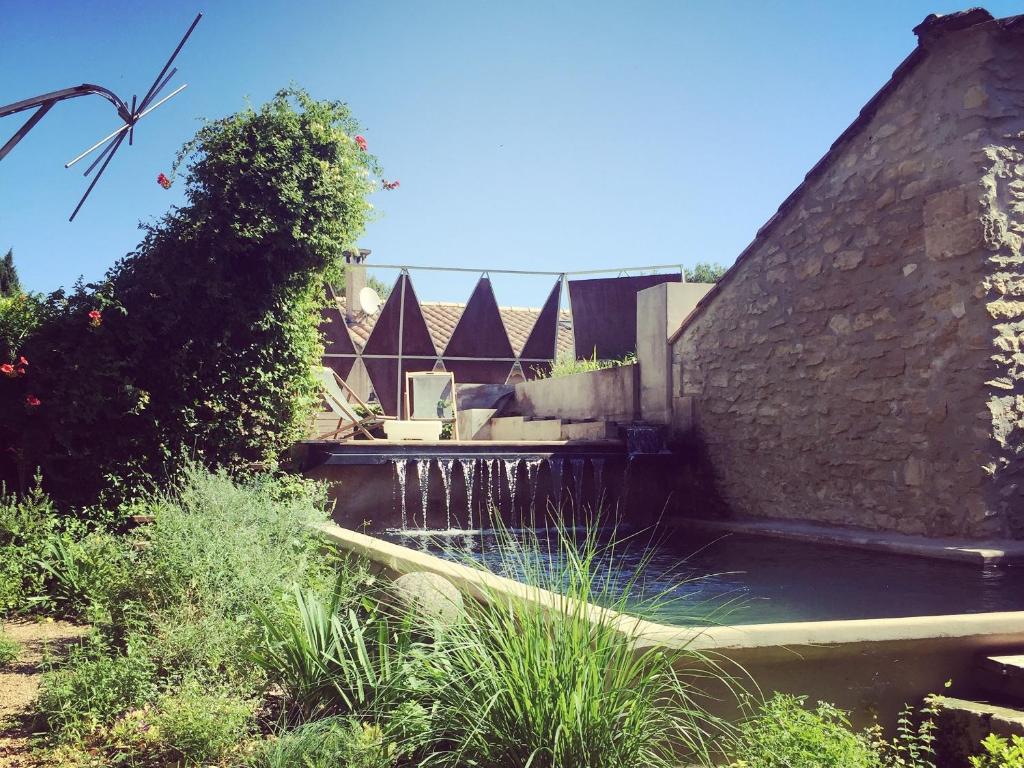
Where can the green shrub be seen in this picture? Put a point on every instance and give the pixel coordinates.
(520, 683)
(567, 365)
(1000, 753)
(202, 592)
(199, 727)
(9, 650)
(93, 687)
(334, 656)
(786, 734)
(913, 745)
(209, 329)
(328, 743)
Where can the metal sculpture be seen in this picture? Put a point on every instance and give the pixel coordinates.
(129, 115)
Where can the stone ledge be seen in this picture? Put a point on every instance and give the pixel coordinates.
(982, 552)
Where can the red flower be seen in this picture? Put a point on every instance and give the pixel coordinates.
(361, 143)
(7, 370)
(21, 371)
(163, 181)
(95, 318)
(22, 360)
(32, 401)
(391, 184)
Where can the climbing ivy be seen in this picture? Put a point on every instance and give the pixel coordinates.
(199, 343)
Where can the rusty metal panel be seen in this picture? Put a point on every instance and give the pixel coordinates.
(480, 332)
(479, 371)
(337, 340)
(384, 375)
(340, 365)
(604, 313)
(415, 336)
(541, 341)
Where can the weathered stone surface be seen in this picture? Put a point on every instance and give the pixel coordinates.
(875, 375)
(429, 596)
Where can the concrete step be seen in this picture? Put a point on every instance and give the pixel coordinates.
(962, 724)
(542, 429)
(589, 430)
(474, 423)
(518, 428)
(1002, 676)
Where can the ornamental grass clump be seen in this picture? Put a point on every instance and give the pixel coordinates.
(524, 682)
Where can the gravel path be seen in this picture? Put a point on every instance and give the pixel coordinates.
(19, 683)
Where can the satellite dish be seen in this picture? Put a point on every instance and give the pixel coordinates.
(369, 301)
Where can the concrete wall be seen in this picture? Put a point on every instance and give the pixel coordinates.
(861, 364)
(659, 311)
(611, 394)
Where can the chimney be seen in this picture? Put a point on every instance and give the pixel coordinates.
(355, 281)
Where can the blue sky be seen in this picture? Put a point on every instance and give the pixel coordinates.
(527, 135)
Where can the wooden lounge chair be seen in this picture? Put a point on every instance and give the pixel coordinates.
(336, 394)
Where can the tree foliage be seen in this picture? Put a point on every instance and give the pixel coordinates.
(705, 272)
(200, 342)
(9, 282)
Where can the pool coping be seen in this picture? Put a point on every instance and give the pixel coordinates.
(980, 552)
(484, 585)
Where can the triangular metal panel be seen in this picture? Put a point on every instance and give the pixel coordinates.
(415, 336)
(541, 342)
(480, 332)
(337, 340)
(340, 365)
(384, 375)
(479, 371)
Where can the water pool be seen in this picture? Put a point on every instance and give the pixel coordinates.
(744, 579)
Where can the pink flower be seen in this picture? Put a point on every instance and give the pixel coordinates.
(7, 370)
(390, 184)
(32, 401)
(95, 318)
(361, 143)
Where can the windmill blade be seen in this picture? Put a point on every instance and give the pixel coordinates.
(126, 126)
(159, 88)
(149, 94)
(114, 147)
(99, 158)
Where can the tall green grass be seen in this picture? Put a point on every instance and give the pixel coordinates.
(526, 681)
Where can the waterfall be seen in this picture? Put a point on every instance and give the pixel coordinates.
(401, 466)
(492, 476)
(556, 466)
(468, 473)
(511, 475)
(532, 475)
(577, 476)
(445, 465)
(423, 473)
(598, 465)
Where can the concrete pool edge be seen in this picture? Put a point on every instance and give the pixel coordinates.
(979, 552)
(868, 667)
(482, 584)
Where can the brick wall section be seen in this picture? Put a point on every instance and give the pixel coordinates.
(862, 363)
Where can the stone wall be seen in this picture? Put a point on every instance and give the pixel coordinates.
(861, 363)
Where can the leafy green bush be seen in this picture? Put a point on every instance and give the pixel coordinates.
(334, 656)
(521, 683)
(567, 365)
(207, 332)
(786, 734)
(203, 592)
(9, 650)
(55, 564)
(198, 727)
(913, 745)
(328, 743)
(705, 272)
(1000, 753)
(93, 687)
